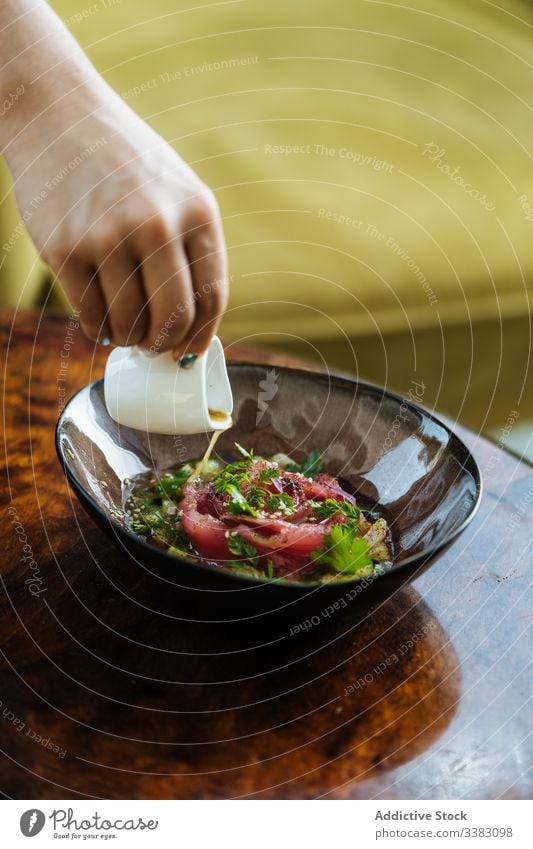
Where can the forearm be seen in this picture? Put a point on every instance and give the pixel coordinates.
(45, 78)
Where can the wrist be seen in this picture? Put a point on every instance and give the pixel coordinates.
(43, 109)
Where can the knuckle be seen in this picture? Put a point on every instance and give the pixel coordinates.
(104, 240)
(182, 325)
(165, 329)
(184, 307)
(157, 228)
(206, 305)
(205, 243)
(204, 208)
(212, 298)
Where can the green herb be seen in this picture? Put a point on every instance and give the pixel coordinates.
(266, 475)
(174, 537)
(171, 484)
(248, 455)
(237, 502)
(343, 551)
(247, 490)
(141, 503)
(248, 558)
(255, 495)
(234, 474)
(247, 553)
(231, 476)
(153, 519)
(235, 477)
(330, 507)
(180, 549)
(280, 502)
(310, 466)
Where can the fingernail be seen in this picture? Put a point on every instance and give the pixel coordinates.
(187, 361)
(105, 340)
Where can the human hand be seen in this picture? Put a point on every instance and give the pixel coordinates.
(132, 233)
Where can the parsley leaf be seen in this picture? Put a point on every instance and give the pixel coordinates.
(234, 474)
(331, 507)
(256, 495)
(237, 502)
(343, 551)
(248, 558)
(266, 475)
(310, 466)
(179, 547)
(280, 502)
(247, 553)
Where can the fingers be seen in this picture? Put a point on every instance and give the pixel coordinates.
(168, 291)
(82, 288)
(122, 289)
(206, 251)
(161, 281)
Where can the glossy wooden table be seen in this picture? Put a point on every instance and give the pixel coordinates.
(106, 692)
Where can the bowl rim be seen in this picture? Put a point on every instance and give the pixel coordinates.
(423, 557)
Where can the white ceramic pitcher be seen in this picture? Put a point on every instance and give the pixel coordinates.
(152, 393)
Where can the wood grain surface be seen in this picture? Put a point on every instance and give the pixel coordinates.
(107, 691)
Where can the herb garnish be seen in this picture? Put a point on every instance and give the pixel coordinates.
(248, 558)
(259, 492)
(247, 554)
(232, 475)
(310, 466)
(267, 474)
(171, 484)
(248, 455)
(237, 502)
(280, 502)
(330, 507)
(343, 550)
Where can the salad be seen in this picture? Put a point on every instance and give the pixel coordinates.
(265, 518)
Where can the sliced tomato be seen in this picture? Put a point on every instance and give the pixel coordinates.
(286, 541)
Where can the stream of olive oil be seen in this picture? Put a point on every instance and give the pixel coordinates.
(217, 416)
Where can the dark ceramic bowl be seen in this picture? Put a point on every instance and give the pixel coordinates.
(391, 453)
